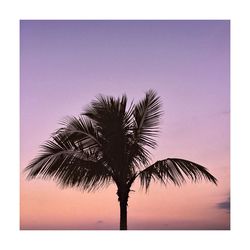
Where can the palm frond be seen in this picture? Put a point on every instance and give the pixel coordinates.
(174, 170)
(138, 155)
(81, 131)
(113, 122)
(64, 162)
(108, 111)
(146, 119)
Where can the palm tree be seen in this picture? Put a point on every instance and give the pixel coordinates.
(109, 143)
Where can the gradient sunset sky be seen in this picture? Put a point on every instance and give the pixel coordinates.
(65, 64)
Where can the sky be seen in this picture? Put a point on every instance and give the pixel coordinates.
(66, 64)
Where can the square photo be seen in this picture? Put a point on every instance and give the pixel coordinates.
(125, 124)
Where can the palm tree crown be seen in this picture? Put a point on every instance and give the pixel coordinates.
(109, 143)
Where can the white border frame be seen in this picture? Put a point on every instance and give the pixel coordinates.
(12, 11)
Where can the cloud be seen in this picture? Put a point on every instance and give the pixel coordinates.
(224, 204)
(225, 112)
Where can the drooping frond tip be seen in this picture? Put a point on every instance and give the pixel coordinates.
(176, 171)
(69, 165)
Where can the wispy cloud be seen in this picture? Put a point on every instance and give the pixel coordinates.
(225, 112)
(224, 204)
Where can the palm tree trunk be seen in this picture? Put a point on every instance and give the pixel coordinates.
(123, 215)
(122, 194)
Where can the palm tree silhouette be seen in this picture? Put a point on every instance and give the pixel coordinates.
(109, 143)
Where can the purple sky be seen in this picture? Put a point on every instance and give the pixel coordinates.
(65, 64)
